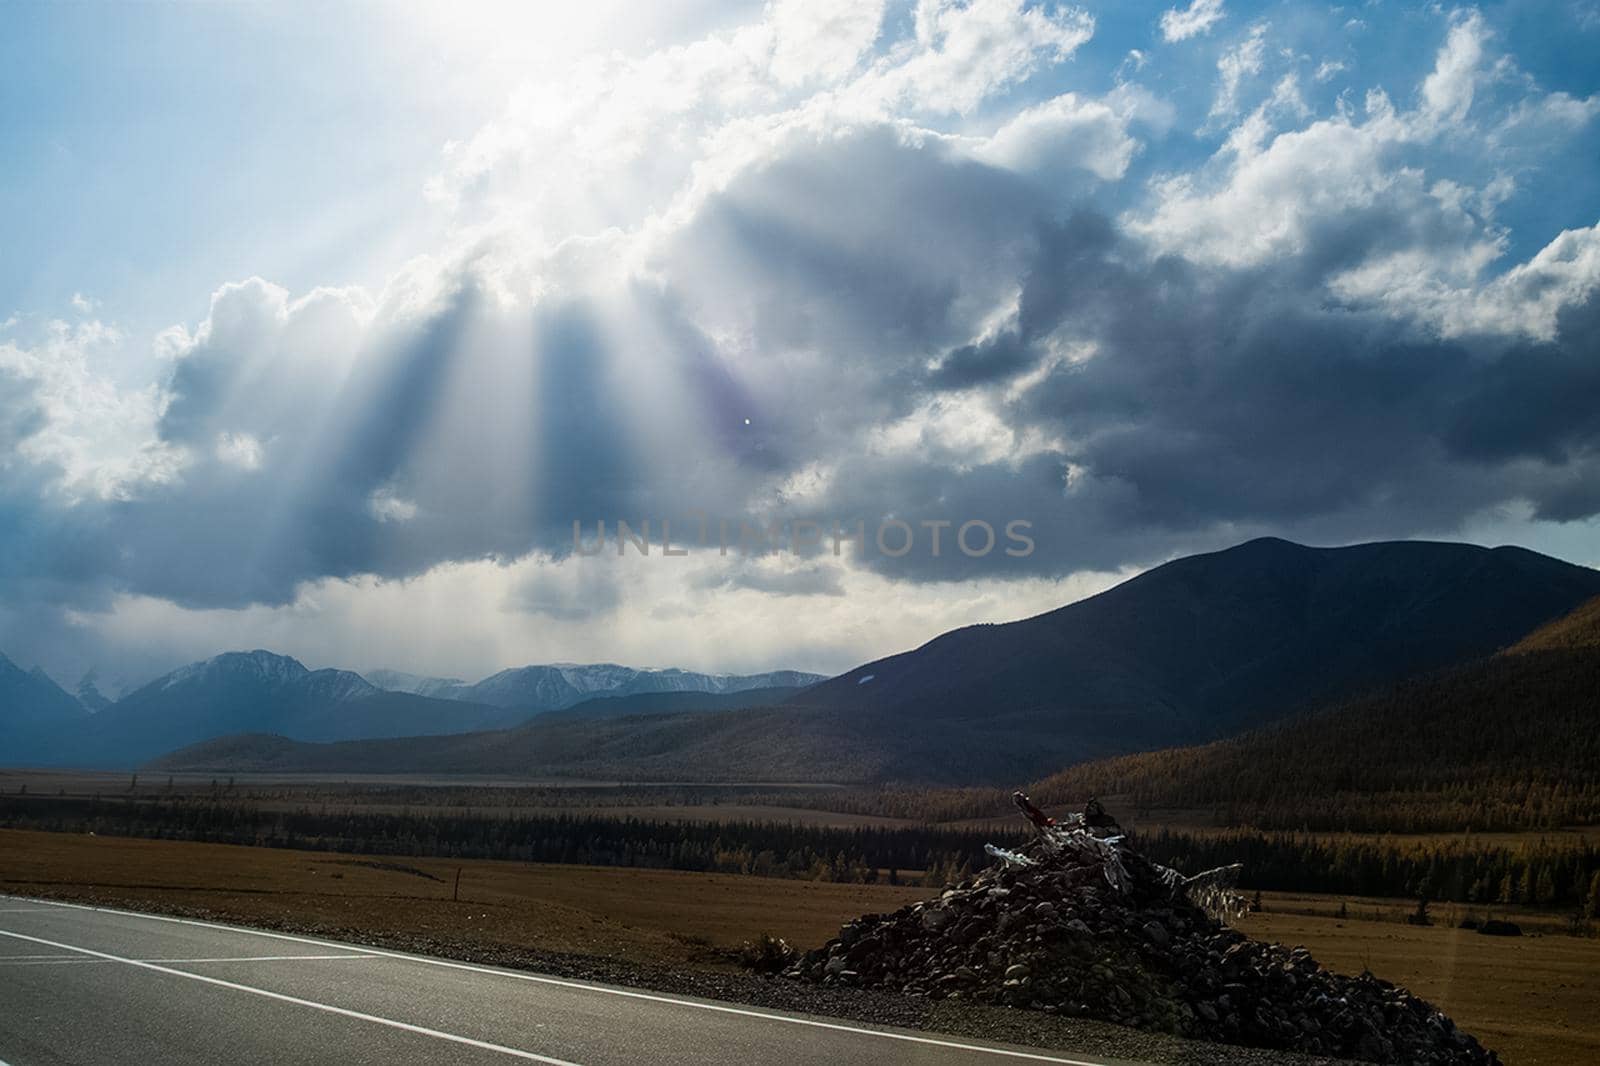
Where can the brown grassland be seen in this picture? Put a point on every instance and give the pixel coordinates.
(1533, 998)
(654, 916)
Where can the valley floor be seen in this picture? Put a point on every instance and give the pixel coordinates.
(1531, 998)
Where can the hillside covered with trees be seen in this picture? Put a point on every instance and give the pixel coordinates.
(1508, 743)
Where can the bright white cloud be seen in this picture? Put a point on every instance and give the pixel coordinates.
(960, 430)
(1288, 192)
(1528, 299)
(1192, 21)
(659, 133)
(1237, 64)
(94, 439)
(1062, 135)
(821, 40)
(1276, 195)
(1424, 248)
(1448, 90)
(966, 51)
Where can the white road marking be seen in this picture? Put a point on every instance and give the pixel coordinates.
(7, 960)
(564, 983)
(267, 958)
(482, 1045)
(19, 958)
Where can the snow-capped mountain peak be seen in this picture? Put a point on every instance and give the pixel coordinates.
(258, 665)
(559, 685)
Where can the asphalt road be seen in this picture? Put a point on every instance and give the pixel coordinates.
(89, 986)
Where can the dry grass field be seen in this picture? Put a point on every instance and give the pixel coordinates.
(1536, 999)
(655, 916)
(485, 797)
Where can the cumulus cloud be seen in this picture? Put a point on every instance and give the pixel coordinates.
(1061, 135)
(1349, 193)
(966, 51)
(95, 437)
(1531, 298)
(1192, 21)
(833, 266)
(821, 40)
(1447, 92)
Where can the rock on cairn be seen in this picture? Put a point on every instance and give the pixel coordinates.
(1079, 923)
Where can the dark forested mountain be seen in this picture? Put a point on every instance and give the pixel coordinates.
(557, 686)
(32, 706)
(1196, 649)
(1208, 644)
(676, 702)
(1508, 742)
(246, 691)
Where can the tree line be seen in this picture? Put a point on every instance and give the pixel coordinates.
(780, 849)
(1464, 870)
(1537, 873)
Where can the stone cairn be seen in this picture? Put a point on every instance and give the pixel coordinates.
(1077, 922)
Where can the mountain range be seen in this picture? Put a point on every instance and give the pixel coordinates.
(260, 691)
(1200, 648)
(1197, 649)
(33, 708)
(558, 686)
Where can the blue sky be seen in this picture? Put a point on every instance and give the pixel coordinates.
(323, 323)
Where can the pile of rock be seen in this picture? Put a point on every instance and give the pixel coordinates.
(1078, 923)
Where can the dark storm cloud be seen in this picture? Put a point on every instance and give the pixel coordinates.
(1064, 277)
(816, 300)
(1537, 401)
(1239, 396)
(875, 253)
(1218, 400)
(980, 364)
